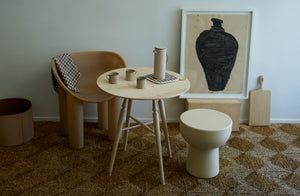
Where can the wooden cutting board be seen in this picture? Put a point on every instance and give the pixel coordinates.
(259, 105)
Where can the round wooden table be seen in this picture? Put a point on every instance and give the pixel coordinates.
(153, 91)
(127, 89)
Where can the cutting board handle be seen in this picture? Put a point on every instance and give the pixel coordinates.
(260, 80)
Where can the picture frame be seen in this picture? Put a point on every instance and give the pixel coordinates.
(215, 52)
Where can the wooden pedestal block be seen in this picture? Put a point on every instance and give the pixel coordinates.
(231, 107)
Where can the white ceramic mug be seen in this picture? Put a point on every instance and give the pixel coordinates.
(113, 77)
(130, 74)
(160, 62)
(141, 82)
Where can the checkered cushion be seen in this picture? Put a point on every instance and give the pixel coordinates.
(54, 81)
(68, 71)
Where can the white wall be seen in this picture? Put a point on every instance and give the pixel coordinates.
(33, 31)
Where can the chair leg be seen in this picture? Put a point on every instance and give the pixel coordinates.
(63, 111)
(127, 123)
(114, 106)
(158, 140)
(117, 138)
(102, 115)
(75, 122)
(162, 112)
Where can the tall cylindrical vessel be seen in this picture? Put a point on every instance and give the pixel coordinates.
(160, 61)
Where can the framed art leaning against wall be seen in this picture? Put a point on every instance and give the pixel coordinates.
(215, 50)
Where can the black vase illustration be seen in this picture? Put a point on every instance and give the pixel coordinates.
(216, 51)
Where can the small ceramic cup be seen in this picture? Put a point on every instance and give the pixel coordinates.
(130, 74)
(113, 77)
(141, 82)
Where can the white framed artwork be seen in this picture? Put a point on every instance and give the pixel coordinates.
(215, 51)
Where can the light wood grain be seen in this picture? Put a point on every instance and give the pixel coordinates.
(158, 140)
(117, 136)
(91, 65)
(155, 92)
(128, 89)
(162, 112)
(231, 107)
(129, 106)
(259, 106)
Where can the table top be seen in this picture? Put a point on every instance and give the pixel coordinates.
(128, 89)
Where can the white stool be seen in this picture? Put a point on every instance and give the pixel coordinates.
(205, 130)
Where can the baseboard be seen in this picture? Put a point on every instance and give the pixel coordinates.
(49, 118)
(244, 121)
(93, 119)
(276, 121)
(280, 120)
(56, 119)
(172, 120)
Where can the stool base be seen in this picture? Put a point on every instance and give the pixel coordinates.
(203, 163)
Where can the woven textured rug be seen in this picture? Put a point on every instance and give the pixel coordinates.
(254, 161)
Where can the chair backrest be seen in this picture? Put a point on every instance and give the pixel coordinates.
(91, 65)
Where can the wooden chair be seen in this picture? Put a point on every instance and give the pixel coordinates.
(91, 66)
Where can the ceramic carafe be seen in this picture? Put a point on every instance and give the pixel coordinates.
(160, 61)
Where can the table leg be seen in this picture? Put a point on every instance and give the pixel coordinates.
(117, 137)
(162, 112)
(158, 140)
(114, 107)
(127, 123)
